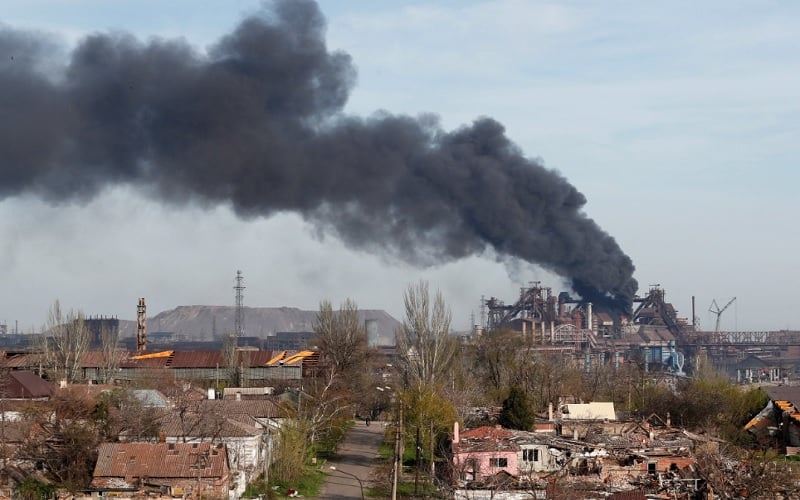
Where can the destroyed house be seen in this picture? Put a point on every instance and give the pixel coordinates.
(484, 452)
(783, 418)
(167, 469)
(633, 454)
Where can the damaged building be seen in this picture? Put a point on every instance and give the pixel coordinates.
(597, 455)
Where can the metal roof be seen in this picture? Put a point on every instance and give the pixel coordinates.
(207, 426)
(24, 384)
(161, 460)
(783, 392)
(258, 408)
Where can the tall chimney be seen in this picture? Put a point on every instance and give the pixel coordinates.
(589, 316)
(141, 326)
(694, 316)
(455, 432)
(550, 411)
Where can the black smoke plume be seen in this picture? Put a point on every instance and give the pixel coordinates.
(256, 121)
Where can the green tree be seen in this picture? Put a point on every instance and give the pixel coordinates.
(498, 360)
(31, 489)
(292, 451)
(517, 412)
(428, 415)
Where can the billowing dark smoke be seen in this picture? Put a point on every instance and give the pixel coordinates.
(257, 122)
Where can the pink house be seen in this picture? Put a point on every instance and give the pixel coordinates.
(484, 452)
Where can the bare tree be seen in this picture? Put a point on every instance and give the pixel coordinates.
(320, 405)
(64, 344)
(424, 345)
(230, 352)
(341, 337)
(61, 437)
(187, 411)
(122, 415)
(112, 355)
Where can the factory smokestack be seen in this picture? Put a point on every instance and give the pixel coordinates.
(257, 122)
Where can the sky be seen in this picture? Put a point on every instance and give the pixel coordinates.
(677, 121)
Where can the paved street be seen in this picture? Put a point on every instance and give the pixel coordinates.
(356, 456)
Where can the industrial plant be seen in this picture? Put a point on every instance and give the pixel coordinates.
(650, 332)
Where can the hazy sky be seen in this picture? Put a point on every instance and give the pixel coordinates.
(678, 121)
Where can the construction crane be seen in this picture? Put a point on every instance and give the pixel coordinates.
(714, 308)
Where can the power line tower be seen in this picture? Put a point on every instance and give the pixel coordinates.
(239, 319)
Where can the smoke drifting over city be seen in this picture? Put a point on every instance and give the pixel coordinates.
(256, 121)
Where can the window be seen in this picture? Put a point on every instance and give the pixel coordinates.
(530, 455)
(499, 462)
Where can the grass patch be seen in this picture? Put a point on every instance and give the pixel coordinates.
(308, 485)
(386, 451)
(404, 490)
(329, 442)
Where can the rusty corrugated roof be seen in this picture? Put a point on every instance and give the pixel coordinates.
(161, 460)
(198, 359)
(173, 359)
(21, 361)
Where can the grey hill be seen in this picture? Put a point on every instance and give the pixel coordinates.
(205, 323)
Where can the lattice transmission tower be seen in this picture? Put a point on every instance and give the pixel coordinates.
(239, 319)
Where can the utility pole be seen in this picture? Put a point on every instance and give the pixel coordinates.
(430, 450)
(416, 471)
(398, 449)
